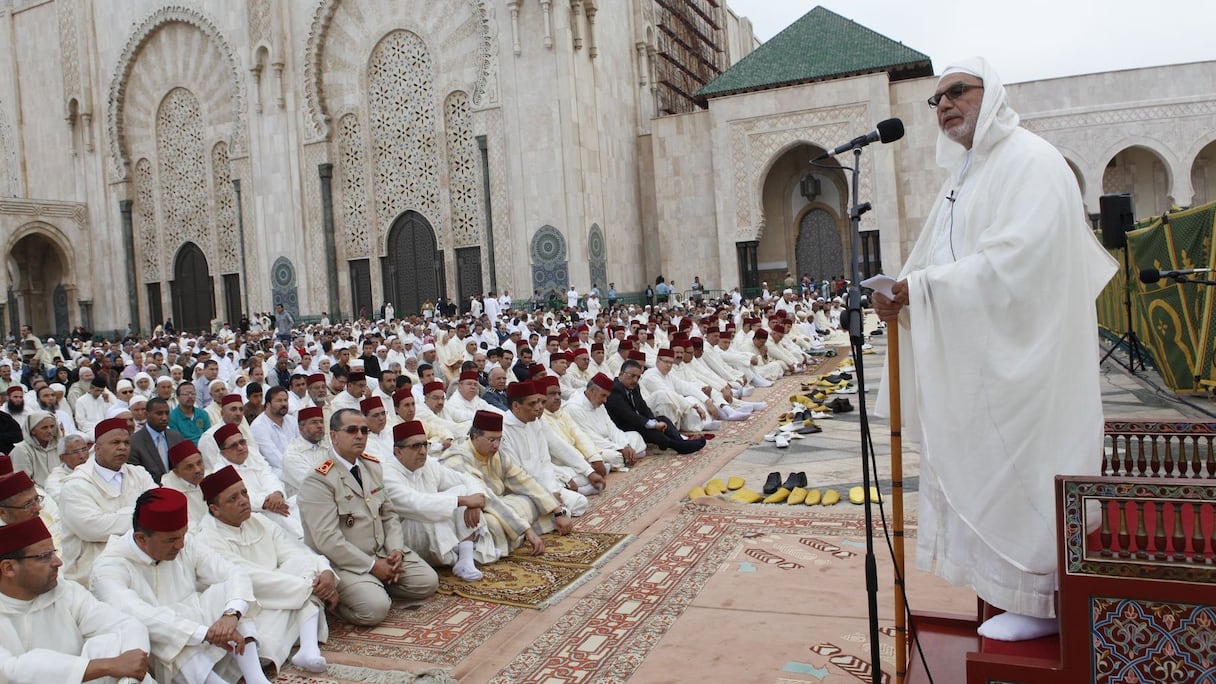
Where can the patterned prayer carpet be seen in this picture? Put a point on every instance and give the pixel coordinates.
(751, 593)
(528, 581)
(344, 674)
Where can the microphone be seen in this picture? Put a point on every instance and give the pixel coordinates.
(1152, 275)
(888, 130)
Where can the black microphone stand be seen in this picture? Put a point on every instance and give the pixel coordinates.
(1181, 279)
(1134, 354)
(857, 339)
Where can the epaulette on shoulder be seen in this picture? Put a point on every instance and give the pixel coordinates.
(369, 457)
(325, 467)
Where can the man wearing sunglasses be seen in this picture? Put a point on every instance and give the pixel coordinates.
(350, 519)
(1006, 233)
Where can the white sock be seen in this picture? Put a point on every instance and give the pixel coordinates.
(309, 657)
(711, 425)
(1014, 627)
(250, 665)
(746, 391)
(465, 569)
(727, 413)
(588, 490)
(761, 382)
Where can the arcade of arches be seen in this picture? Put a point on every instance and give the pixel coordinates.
(41, 286)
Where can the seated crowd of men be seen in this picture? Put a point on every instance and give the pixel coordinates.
(210, 498)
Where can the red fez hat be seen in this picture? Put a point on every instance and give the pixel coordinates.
(536, 370)
(638, 356)
(6, 464)
(222, 434)
(602, 380)
(468, 375)
(521, 389)
(410, 428)
(685, 323)
(697, 343)
(778, 328)
(110, 424)
(582, 351)
(370, 404)
(679, 338)
(666, 353)
(166, 509)
(728, 336)
(181, 451)
(19, 535)
(316, 377)
(761, 334)
(19, 388)
(597, 346)
(432, 386)
(544, 383)
(627, 345)
(231, 399)
(309, 412)
(356, 376)
(214, 484)
(780, 313)
(14, 483)
(490, 421)
(401, 394)
(582, 328)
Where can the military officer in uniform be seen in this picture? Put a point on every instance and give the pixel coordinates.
(349, 518)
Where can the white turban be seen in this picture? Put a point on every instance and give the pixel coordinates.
(996, 118)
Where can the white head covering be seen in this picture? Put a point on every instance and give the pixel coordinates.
(996, 119)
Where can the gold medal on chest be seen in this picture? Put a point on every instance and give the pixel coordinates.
(350, 520)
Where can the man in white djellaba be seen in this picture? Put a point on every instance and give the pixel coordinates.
(55, 631)
(1006, 232)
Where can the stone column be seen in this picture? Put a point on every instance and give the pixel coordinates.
(326, 173)
(128, 247)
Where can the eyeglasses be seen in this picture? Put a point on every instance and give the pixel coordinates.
(238, 443)
(952, 93)
(28, 505)
(415, 446)
(73, 452)
(38, 556)
(352, 429)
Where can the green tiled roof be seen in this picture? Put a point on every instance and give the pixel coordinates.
(820, 46)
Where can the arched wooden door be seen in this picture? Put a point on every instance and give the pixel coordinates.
(192, 291)
(818, 251)
(413, 269)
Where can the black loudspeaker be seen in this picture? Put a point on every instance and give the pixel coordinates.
(1117, 218)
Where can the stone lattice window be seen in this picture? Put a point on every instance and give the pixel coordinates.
(463, 171)
(401, 106)
(144, 215)
(550, 270)
(225, 210)
(183, 169)
(597, 257)
(351, 160)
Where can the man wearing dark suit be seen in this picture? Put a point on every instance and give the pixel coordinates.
(150, 444)
(629, 411)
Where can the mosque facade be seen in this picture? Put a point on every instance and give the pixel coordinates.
(199, 160)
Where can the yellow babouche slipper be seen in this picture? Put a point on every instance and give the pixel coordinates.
(813, 497)
(746, 496)
(696, 493)
(797, 496)
(831, 497)
(778, 496)
(715, 487)
(734, 483)
(857, 496)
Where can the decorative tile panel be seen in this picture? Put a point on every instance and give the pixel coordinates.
(183, 171)
(352, 160)
(144, 216)
(464, 177)
(229, 242)
(401, 108)
(1152, 641)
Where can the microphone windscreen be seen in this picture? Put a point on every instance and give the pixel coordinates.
(890, 130)
(1149, 275)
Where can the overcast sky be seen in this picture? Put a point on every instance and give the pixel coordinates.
(1026, 40)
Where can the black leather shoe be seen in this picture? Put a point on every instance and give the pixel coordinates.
(794, 480)
(846, 376)
(688, 446)
(773, 483)
(839, 405)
